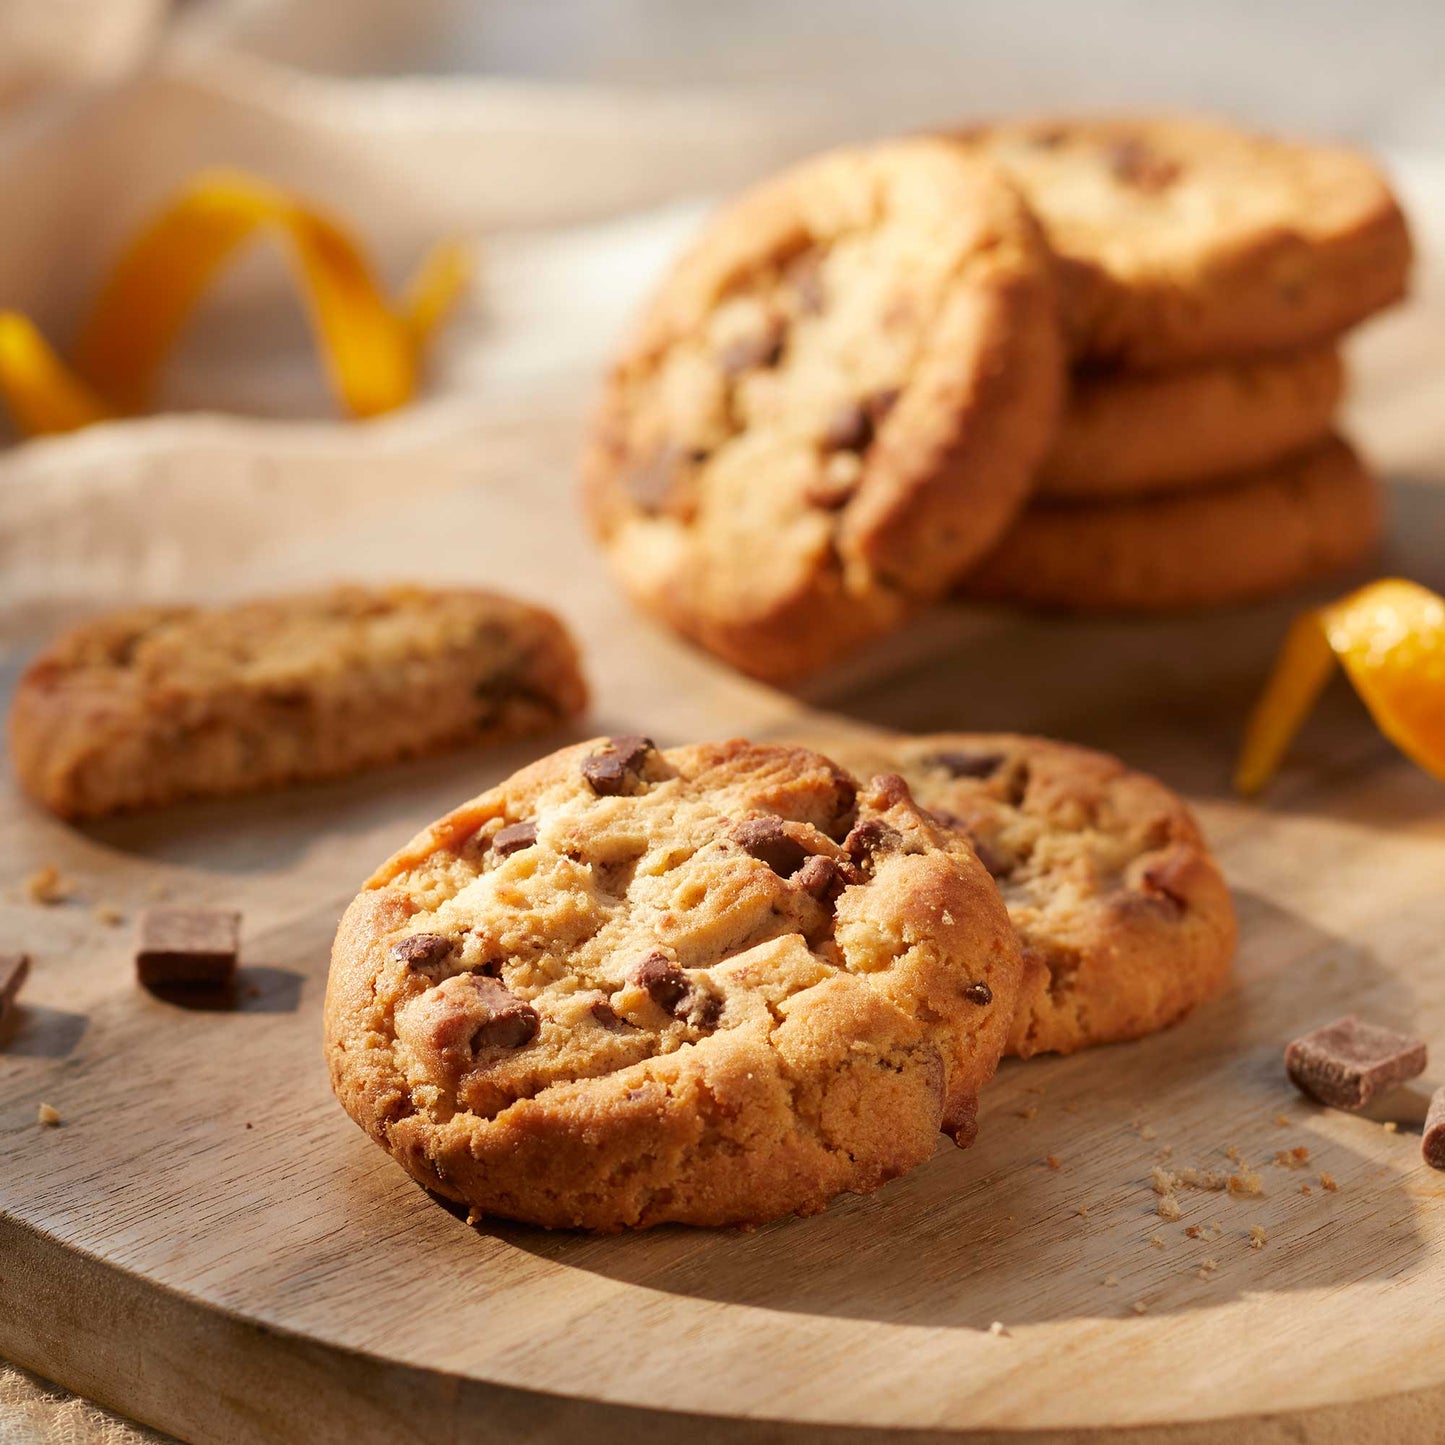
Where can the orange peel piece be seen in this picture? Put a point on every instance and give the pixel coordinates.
(371, 347)
(1389, 638)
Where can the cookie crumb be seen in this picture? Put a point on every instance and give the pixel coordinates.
(1257, 1236)
(46, 886)
(1139, 1307)
(1282, 1121)
(1148, 1132)
(1305, 1189)
(1156, 1241)
(998, 1330)
(1169, 1208)
(1233, 1153)
(1162, 1181)
(1029, 1111)
(1110, 1281)
(47, 1116)
(1292, 1158)
(1165, 1151)
(1391, 1127)
(1082, 1212)
(1052, 1160)
(1327, 1183)
(111, 917)
(1246, 1182)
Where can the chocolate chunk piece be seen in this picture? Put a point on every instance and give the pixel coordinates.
(979, 993)
(188, 948)
(671, 989)
(968, 765)
(825, 878)
(1347, 1063)
(497, 1018)
(14, 970)
(749, 353)
(869, 837)
(1432, 1144)
(515, 837)
(767, 840)
(601, 1009)
(663, 981)
(421, 950)
(616, 768)
(1137, 165)
(850, 429)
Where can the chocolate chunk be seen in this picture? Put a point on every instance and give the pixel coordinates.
(188, 948)
(979, 993)
(767, 840)
(1347, 1063)
(653, 482)
(1145, 169)
(14, 970)
(701, 1009)
(1164, 882)
(805, 277)
(515, 837)
(870, 836)
(616, 768)
(825, 878)
(749, 353)
(1432, 1143)
(850, 429)
(498, 1018)
(959, 764)
(421, 950)
(663, 981)
(601, 1009)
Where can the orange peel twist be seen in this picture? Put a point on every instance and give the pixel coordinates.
(1389, 638)
(371, 347)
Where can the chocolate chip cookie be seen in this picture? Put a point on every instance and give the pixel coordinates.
(1127, 433)
(709, 985)
(1184, 239)
(832, 405)
(1124, 919)
(154, 704)
(1292, 523)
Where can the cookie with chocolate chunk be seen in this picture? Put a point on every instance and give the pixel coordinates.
(1124, 919)
(832, 405)
(707, 985)
(1279, 527)
(1183, 239)
(154, 704)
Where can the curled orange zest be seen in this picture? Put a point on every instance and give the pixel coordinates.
(1390, 639)
(371, 348)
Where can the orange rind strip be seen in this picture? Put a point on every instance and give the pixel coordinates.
(371, 348)
(1389, 638)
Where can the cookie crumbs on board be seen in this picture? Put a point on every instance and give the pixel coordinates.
(1327, 1183)
(1156, 1241)
(1162, 1181)
(1029, 1111)
(1390, 1127)
(1305, 1189)
(1110, 1281)
(1207, 1267)
(1292, 1158)
(1053, 1161)
(1282, 1121)
(47, 1116)
(1139, 1307)
(1232, 1153)
(1246, 1182)
(46, 886)
(1148, 1132)
(999, 1330)
(111, 917)
(1257, 1237)
(1169, 1208)
(1211, 1180)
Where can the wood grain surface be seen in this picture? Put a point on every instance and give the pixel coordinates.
(207, 1244)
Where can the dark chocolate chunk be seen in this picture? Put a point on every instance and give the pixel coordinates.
(825, 878)
(499, 1019)
(1432, 1143)
(958, 764)
(652, 481)
(14, 970)
(979, 993)
(421, 950)
(700, 1009)
(601, 1009)
(188, 948)
(870, 836)
(850, 429)
(1162, 881)
(514, 837)
(767, 840)
(1137, 165)
(748, 353)
(615, 769)
(1347, 1063)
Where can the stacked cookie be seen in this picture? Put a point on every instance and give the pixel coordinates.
(1073, 364)
(719, 983)
(1206, 278)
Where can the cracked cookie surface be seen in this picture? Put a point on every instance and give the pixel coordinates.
(153, 704)
(1123, 917)
(709, 985)
(833, 403)
(1184, 239)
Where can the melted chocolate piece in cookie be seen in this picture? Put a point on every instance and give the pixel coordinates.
(750, 353)
(979, 993)
(1138, 165)
(661, 979)
(515, 837)
(767, 840)
(869, 837)
(500, 1020)
(421, 950)
(616, 768)
(958, 764)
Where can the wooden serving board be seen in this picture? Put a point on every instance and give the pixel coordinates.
(209, 1245)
